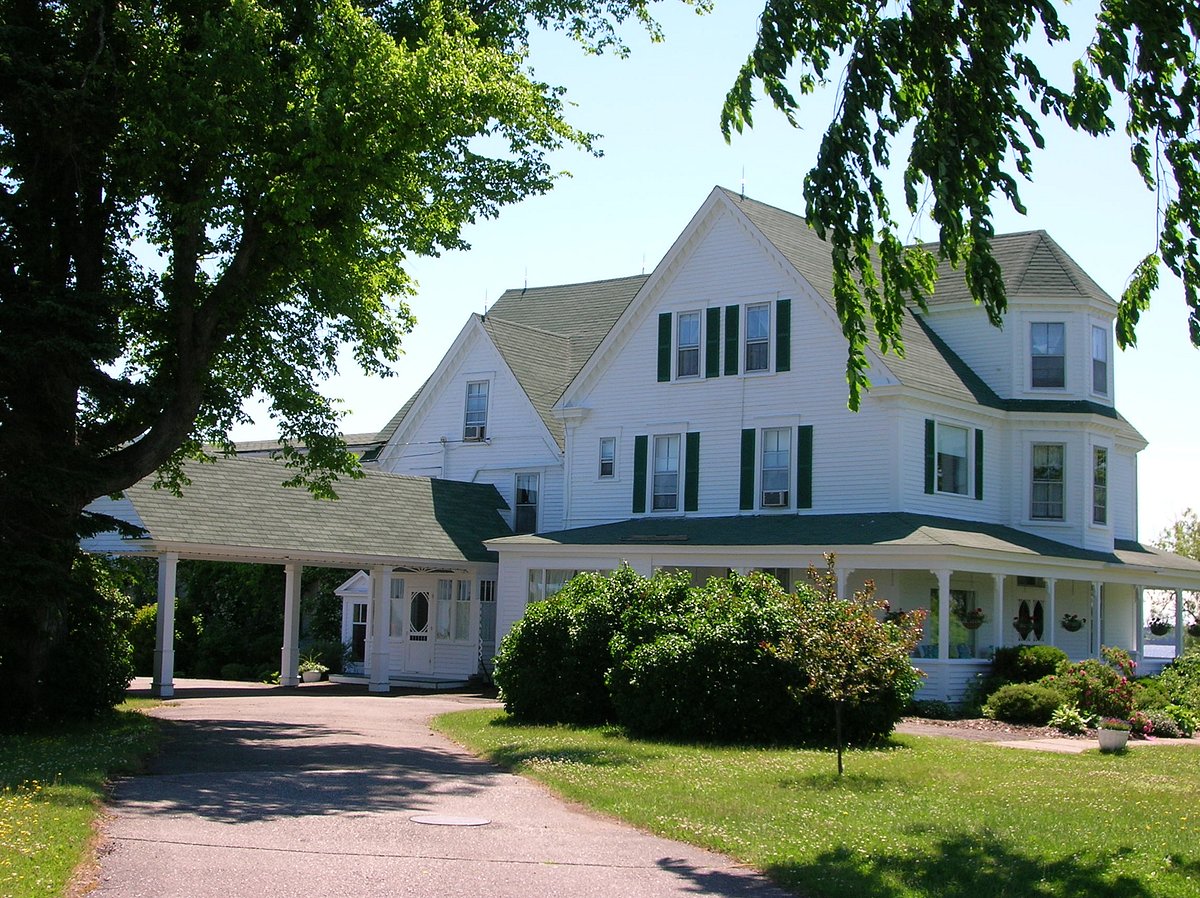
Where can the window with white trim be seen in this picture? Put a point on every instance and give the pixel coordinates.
(1100, 360)
(758, 337)
(687, 344)
(398, 608)
(953, 458)
(1046, 500)
(1099, 485)
(775, 474)
(525, 512)
(665, 481)
(1047, 349)
(545, 582)
(608, 456)
(462, 610)
(475, 419)
(445, 607)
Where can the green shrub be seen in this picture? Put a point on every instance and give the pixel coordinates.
(236, 671)
(1140, 723)
(1181, 680)
(1069, 719)
(1186, 719)
(705, 674)
(1150, 694)
(550, 667)
(1026, 663)
(329, 653)
(142, 634)
(932, 709)
(1023, 703)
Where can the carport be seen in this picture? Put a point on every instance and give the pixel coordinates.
(236, 509)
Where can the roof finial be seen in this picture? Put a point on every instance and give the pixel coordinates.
(743, 194)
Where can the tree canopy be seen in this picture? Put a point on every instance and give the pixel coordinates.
(202, 200)
(957, 78)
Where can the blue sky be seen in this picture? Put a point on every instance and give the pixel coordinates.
(663, 152)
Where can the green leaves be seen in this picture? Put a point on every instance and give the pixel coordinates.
(954, 74)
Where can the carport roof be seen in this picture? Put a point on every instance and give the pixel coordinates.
(237, 508)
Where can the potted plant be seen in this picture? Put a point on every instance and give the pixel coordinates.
(311, 669)
(1193, 629)
(1113, 733)
(1159, 626)
(1073, 623)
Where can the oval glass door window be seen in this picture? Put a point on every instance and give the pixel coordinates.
(418, 616)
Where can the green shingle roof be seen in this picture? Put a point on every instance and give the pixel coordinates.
(239, 504)
(821, 532)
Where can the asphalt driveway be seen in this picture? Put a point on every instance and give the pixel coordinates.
(322, 790)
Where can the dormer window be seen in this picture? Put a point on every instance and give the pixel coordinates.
(1048, 354)
(475, 419)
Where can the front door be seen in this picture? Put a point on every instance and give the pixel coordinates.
(418, 650)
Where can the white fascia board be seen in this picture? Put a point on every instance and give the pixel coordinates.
(268, 555)
(435, 384)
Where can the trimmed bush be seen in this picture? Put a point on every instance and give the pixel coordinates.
(932, 709)
(1023, 703)
(550, 667)
(1027, 663)
(1103, 688)
(705, 673)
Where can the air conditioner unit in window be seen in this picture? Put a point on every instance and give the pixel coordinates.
(473, 433)
(775, 499)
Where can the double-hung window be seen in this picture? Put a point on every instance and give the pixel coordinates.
(1048, 354)
(758, 337)
(1099, 485)
(952, 459)
(475, 420)
(665, 482)
(776, 470)
(687, 344)
(1047, 482)
(608, 456)
(525, 514)
(1100, 360)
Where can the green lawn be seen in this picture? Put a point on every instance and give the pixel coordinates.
(923, 816)
(50, 786)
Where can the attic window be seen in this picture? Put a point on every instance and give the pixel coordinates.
(475, 419)
(1048, 354)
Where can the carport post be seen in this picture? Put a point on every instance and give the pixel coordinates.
(289, 661)
(381, 590)
(163, 684)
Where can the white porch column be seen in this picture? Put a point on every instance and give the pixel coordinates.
(1139, 623)
(163, 683)
(843, 577)
(997, 610)
(289, 660)
(1178, 622)
(1050, 615)
(1097, 620)
(943, 579)
(381, 592)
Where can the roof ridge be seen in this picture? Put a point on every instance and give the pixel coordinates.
(524, 290)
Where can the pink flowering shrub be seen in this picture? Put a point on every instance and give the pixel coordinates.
(1098, 687)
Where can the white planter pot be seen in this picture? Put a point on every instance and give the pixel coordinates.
(1112, 740)
(311, 676)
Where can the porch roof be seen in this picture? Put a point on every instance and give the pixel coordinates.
(817, 533)
(237, 509)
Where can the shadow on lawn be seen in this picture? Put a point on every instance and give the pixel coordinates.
(967, 866)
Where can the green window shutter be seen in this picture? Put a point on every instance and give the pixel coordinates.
(804, 466)
(783, 335)
(664, 347)
(978, 464)
(929, 457)
(712, 343)
(747, 490)
(691, 476)
(732, 353)
(641, 446)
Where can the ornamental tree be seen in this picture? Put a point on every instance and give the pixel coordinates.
(201, 200)
(958, 79)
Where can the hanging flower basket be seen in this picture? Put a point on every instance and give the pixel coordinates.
(1193, 630)
(1159, 627)
(972, 624)
(1073, 623)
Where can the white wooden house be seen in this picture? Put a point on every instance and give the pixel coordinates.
(697, 419)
